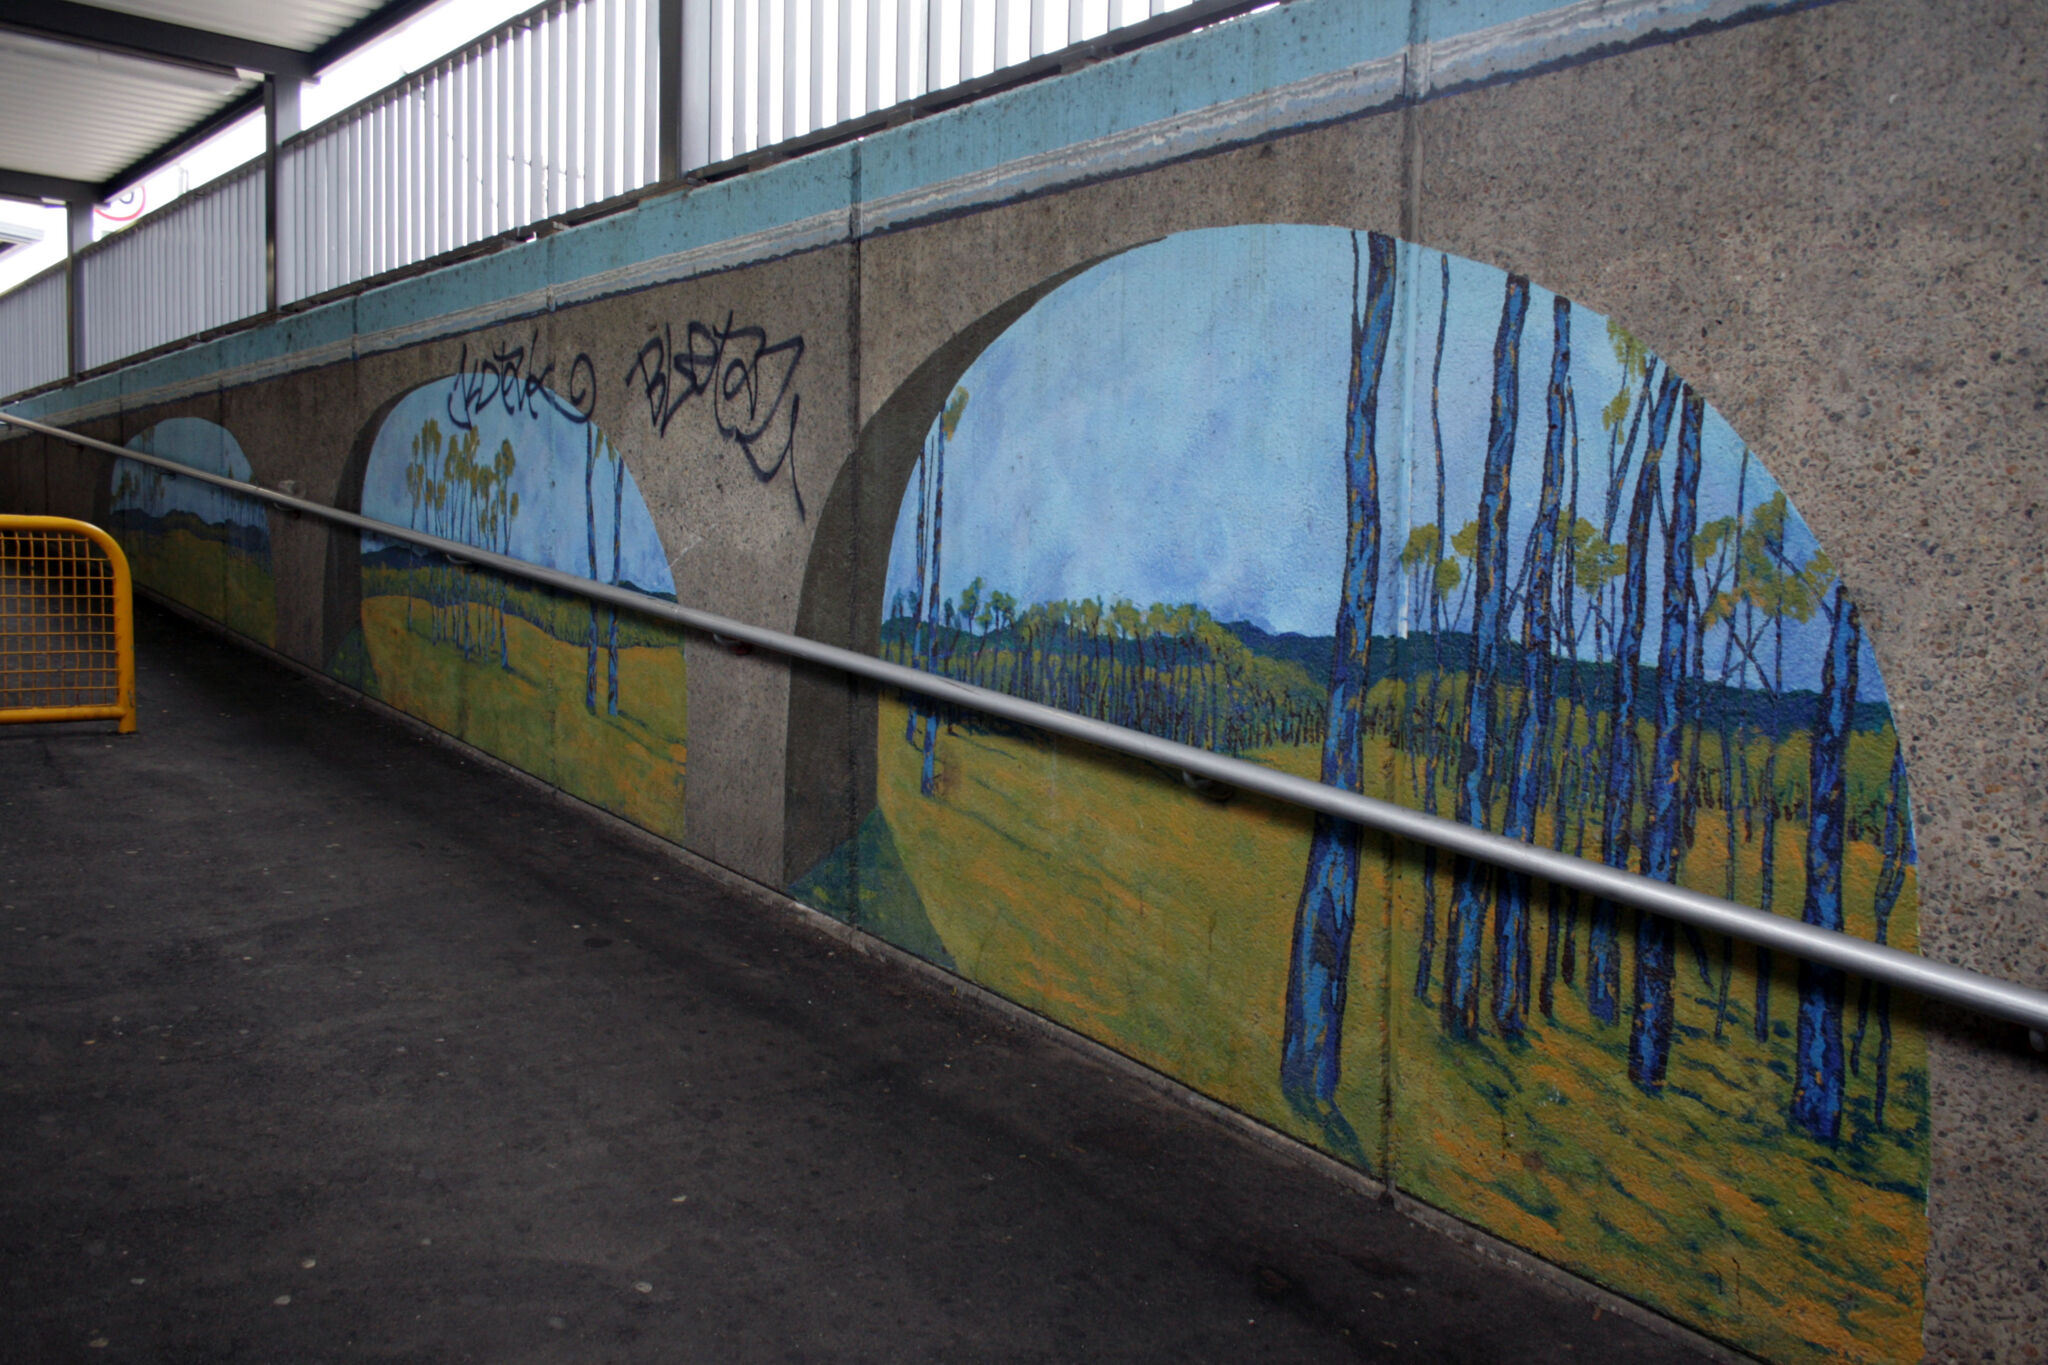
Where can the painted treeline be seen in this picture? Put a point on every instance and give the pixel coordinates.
(1383, 546)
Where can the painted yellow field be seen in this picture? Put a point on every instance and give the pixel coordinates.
(232, 587)
(1102, 893)
(533, 715)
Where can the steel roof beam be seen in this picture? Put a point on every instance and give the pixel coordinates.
(37, 188)
(134, 36)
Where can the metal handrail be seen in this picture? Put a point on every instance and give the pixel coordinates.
(1957, 985)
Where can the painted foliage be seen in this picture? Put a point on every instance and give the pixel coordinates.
(1415, 527)
(190, 541)
(586, 697)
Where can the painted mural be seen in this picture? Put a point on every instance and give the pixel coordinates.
(591, 699)
(1412, 526)
(190, 541)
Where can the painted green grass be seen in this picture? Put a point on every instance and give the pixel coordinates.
(1103, 893)
(229, 585)
(533, 715)
(1100, 892)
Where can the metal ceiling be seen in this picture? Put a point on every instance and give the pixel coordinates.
(93, 96)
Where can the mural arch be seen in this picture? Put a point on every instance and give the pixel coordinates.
(591, 699)
(1362, 510)
(195, 543)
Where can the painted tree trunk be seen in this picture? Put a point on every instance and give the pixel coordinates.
(1436, 645)
(1649, 1048)
(590, 446)
(1319, 965)
(1891, 880)
(611, 688)
(1817, 1074)
(928, 778)
(917, 659)
(1603, 968)
(1489, 593)
(1530, 755)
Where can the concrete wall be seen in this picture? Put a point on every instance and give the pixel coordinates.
(1824, 219)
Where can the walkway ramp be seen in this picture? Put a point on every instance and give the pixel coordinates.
(326, 1042)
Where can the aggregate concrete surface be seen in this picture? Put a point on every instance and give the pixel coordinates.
(324, 1042)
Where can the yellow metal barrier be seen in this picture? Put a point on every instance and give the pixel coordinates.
(67, 623)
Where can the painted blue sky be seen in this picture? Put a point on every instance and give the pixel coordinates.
(1168, 426)
(552, 453)
(199, 444)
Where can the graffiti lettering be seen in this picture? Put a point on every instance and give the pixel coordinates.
(750, 383)
(513, 378)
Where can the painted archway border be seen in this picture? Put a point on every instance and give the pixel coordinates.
(1225, 446)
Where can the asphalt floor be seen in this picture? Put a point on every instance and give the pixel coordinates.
(322, 1040)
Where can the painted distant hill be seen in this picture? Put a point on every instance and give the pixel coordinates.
(252, 539)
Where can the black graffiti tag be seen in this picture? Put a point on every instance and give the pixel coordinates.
(514, 379)
(750, 383)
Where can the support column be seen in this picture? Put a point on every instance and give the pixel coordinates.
(280, 122)
(669, 100)
(77, 237)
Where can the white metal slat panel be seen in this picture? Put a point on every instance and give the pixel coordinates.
(718, 123)
(352, 203)
(505, 141)
(764, 52)
(420, 218)
(316, 219)
(470, 113)
(590, 82)
(454, 171)
(906, 55)
(441, 191)
(518, 82)
(872, 95)
(655, 47)
(208, 236)
(1038, 27)
(497, 136)
(455, 130)
(843, 33)
(488, 131)
(694, 138)
(609, 91)
(569, 93)
(791, 79)
(220, 300)
(816, 113)
(419, 204)
(253, 248)
(388, 211)
(533, 94)
(742, 79)
(291, 220)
